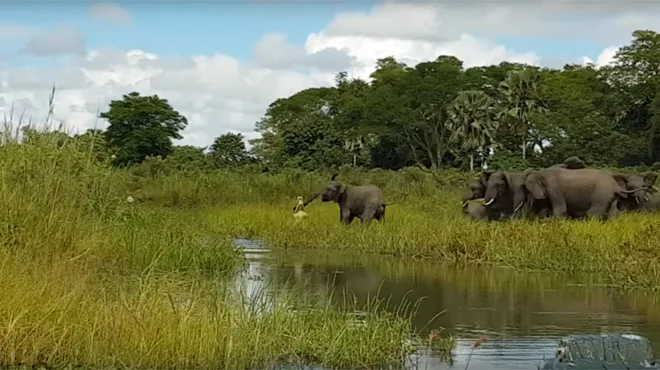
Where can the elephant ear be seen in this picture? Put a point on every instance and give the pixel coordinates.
(342, 189)
(528, 171)
(621, 179)
(649, 178)
(535, 186)
(485, 175)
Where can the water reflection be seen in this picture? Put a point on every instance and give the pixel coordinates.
(522, 315)
(249, 283)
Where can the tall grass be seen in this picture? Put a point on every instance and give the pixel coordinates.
(62, 316)
(89, 278)
(426, 221)
(623, 251)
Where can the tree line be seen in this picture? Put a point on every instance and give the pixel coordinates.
(436, 114)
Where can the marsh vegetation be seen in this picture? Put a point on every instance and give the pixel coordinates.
(117, 248)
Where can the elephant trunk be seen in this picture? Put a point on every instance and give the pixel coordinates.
(316, 195)
(639, 193)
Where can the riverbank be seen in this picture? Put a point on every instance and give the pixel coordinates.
(622, 251)
(90, 277)
(65, 315)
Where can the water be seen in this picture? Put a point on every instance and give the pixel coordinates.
(521, 315)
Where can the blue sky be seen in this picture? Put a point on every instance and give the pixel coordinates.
(181, 28)
(228, 27)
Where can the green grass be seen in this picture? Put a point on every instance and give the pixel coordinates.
(64, 315)
(90, 279)
(622, 251)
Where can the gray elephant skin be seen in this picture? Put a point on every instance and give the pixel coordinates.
(476, 189)
(577, 192)
(476, 210)
(365, 202)
(509, 198)
(642, 184)
(506, 191)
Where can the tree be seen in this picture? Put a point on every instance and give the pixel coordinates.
(470, 120)
(301, 131)
(141, 126)
(188, 158)
(412, 115)
(229, 150)
(410, 105)
(521, 101)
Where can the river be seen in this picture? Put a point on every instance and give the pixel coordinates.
(521, 315)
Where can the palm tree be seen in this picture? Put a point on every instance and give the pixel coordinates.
(521, 100)
(470, 121)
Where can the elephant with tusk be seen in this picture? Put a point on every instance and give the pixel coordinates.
(476, 190)
(643, 186)
(506, 191)
(365, 202)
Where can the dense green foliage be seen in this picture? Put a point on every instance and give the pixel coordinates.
(439, 113)
(114, 227)
(435, 114)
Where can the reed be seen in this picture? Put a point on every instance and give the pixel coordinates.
(65, 315)
(623, 251)
(93, 277)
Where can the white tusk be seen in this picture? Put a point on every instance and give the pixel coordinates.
(637, 200)
(489, 202)
(465, 203)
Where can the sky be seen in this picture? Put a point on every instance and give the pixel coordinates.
(221, 63)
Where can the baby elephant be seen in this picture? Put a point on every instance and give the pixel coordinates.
(475, 210)
(365, 202)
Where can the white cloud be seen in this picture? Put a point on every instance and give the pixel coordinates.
(111, 12)
(219, 94)
(61, 40)
(604, 58)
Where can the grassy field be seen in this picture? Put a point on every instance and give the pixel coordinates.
(425, 222)
(107, 267)
(624, 251)
(90, 278)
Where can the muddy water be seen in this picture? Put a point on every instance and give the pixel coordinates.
(521, 315)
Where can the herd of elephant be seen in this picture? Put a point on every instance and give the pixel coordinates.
(569, 189)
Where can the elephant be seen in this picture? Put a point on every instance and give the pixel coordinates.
(365, 202)
(508, 196)
(540, 208)
(476, 210)
(576, 192)
(571, 163)
(643, 183)
(476, 190)
(506, 191)
(652, 204)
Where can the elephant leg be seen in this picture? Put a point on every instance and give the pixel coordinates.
(559, 208)
(614, 209)
(367, 215)
(600, 210)
(345, 216)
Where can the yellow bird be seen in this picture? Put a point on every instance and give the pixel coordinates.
(299, 209)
